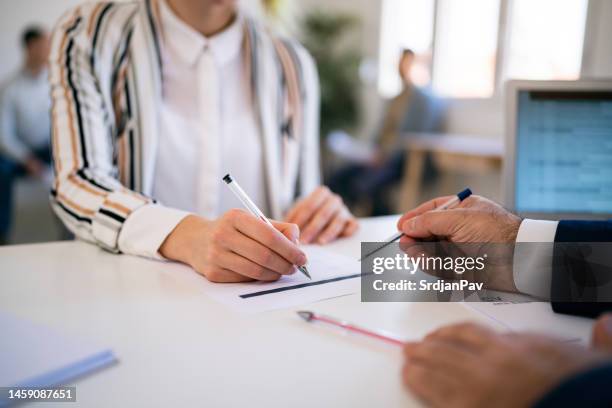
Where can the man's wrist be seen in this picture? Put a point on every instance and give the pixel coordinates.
(511, 228)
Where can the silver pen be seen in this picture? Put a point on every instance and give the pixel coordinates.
(250, 205)
(462, 195)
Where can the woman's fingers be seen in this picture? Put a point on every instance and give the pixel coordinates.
(246, 267)
(271, 238)
(261, 257)
(330, 208)
(221, 275)
(303, 211)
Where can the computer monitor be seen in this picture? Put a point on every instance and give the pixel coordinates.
(558, 161)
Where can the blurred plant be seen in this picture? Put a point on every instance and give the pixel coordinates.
(324, 35)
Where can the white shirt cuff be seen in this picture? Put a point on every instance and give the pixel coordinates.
(532, 268)
(146, 229)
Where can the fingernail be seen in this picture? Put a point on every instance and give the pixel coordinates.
(409, 225)
(301, 259)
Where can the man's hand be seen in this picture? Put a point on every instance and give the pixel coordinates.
(34, 167)
(477, 223)
(237, 247)
(476, 219)
(472, 366)
(322, 217)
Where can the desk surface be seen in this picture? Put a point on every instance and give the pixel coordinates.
(176, 347)
(456, 144)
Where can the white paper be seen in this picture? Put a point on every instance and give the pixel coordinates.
(332, 275)
(536, 317)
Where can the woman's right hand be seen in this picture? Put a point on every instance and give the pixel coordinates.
(236, 247)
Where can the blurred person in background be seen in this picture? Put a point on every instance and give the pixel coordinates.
(25, 126)
(154, 102)
(414, 109)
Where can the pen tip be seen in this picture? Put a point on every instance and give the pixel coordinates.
(305, 271)
(305, 315)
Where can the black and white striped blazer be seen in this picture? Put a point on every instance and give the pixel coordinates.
(106, 85)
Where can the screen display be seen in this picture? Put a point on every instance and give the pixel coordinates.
(564, 152)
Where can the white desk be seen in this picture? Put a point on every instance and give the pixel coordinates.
(179, 348)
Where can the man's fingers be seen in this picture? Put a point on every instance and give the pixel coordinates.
(434, 224)
(423, 208)
(331, 207)
(472, 335)
(602, 333)
(441, 355)
(432, 386)
(270, 238)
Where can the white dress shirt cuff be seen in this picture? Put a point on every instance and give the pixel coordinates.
(533, 263)
(146, 229)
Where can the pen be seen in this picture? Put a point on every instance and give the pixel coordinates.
(378, 334)
(462, 195)
(250, 205)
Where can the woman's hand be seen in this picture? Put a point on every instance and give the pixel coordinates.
(236, 247)
(322, 217)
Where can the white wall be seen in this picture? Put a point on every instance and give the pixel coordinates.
(14, 16)
(368, 11)
(597, 61)
(479, 117)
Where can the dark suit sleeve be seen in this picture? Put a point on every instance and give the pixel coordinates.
(587, 389)
(584, 231)
(570, 260)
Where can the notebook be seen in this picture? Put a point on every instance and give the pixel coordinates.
(36, 356)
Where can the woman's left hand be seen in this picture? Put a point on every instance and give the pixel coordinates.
(322, 217)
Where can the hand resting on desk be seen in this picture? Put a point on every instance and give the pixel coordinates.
(468, 365)
(322, 217)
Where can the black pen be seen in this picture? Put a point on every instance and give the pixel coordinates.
(462, 195)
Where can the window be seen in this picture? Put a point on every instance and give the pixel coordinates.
(405, 24)
(465, 49)
(545, 39)
(542, 39)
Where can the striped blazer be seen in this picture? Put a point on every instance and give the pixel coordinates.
(106, 74)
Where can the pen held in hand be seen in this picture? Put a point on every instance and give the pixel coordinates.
(253, 209)
(458, 198)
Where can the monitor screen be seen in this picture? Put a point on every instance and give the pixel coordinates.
(564, 152)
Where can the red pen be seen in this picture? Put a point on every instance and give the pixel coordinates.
(310, 316)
